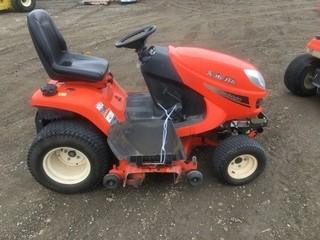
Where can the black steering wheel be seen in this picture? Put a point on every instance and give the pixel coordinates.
(137, 39)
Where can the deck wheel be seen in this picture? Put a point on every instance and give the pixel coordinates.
(195, 178)
(111, 181)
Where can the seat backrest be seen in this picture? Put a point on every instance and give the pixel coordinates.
(47, 39)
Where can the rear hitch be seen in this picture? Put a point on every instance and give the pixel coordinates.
(259, 122)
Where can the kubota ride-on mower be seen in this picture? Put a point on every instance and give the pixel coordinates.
(302, 76)
(91, 130)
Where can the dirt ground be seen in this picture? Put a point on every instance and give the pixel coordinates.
(283, 203)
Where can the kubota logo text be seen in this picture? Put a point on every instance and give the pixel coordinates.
(221, 77)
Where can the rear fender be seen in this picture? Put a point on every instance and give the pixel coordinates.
(313, 47)
(84, 101)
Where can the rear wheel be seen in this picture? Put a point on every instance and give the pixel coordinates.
(23, 5)
(238, 160)
(69, 156)
(300, 74)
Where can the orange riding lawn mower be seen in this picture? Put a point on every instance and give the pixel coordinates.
(18, 5)
(91, 131)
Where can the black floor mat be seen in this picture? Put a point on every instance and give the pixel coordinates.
(141, 106)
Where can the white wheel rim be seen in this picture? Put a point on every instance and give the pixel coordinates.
(242, 166)
(26, 3)
(66, 165)
(307, 82)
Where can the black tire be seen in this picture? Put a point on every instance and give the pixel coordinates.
(195, 178)
(297, 72)
(229, 149)
(111, 181)
(74, 134)
(23, 5)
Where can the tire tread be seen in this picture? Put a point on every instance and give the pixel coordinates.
(16, 5)
(229, 147)
(295, 74)
(76, 129)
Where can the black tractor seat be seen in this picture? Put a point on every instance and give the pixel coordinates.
(60, 64)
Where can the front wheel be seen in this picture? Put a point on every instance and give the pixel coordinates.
(69, 156)
(238, 160)
(300, 74)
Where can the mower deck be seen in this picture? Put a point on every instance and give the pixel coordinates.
(133, 175)
(137, 143)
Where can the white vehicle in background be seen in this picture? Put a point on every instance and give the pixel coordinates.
(128, 1)
(106, 2)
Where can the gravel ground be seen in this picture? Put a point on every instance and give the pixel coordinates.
(283, 203)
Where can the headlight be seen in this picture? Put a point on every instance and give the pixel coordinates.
(256, 78)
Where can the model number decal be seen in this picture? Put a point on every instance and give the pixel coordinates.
(221, 77)
(243, 100)
(106, 113)
(110, 117)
